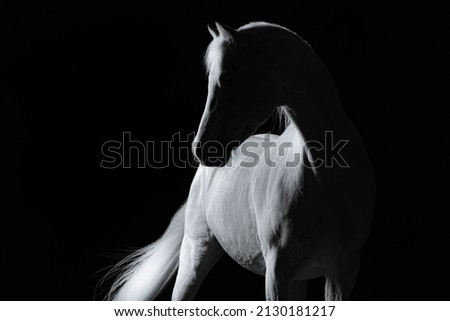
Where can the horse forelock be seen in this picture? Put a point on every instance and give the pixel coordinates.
(214, 53)
(260, 30)
(219, 44)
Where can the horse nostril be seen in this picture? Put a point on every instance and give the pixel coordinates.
(197, 151)
(213, 152)
(232, 145)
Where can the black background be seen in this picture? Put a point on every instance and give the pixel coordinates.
(75, 74)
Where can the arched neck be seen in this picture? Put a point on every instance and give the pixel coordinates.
(313, 102)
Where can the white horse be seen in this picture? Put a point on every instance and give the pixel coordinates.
(289, 223)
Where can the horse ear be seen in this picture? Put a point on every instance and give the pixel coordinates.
(213, 32)
(226, 32)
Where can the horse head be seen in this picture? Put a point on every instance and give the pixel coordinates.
(242, 94)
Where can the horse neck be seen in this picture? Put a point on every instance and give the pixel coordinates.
(313, 100)
(313, 105)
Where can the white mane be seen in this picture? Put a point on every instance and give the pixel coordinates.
(256, 24)
(214, 52)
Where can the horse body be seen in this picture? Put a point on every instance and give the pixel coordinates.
(242, 207)
(288, 223)
(233, 205)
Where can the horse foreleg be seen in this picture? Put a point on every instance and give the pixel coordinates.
(197, 257)
(339, 286)
(280, 274)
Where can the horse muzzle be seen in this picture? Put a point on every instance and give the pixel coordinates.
(214, 152)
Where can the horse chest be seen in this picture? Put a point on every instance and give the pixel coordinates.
(231, 219)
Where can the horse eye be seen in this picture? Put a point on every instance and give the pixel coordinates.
(227, 80)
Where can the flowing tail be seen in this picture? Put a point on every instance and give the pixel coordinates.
(145, 273)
